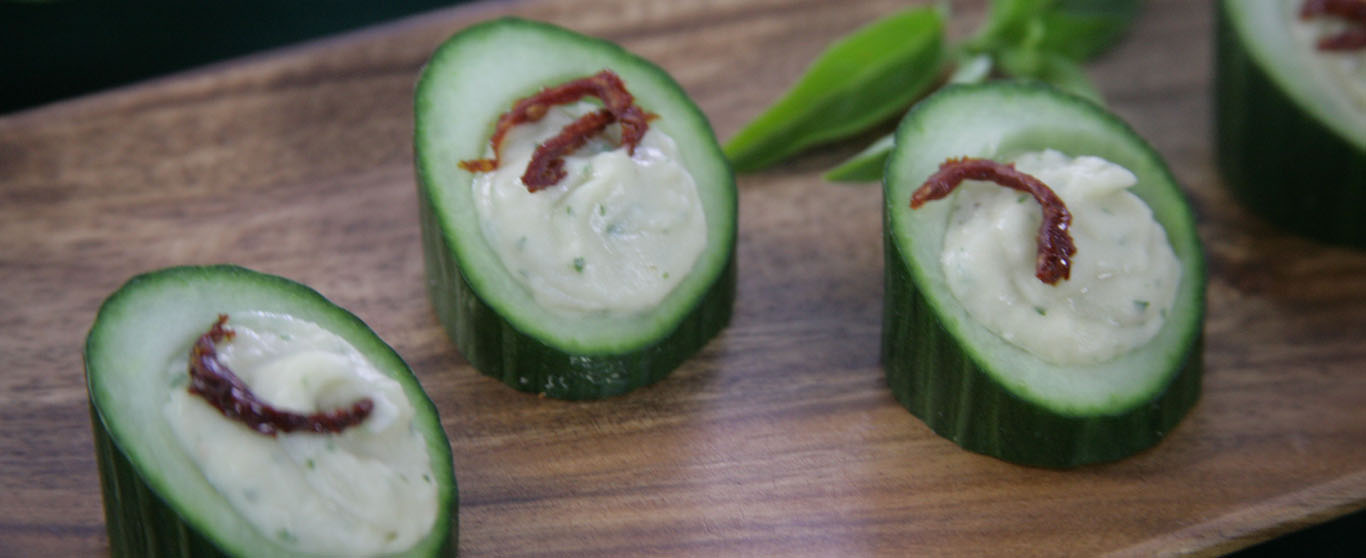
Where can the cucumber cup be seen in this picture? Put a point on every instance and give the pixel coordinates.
(493, 305)
(181, 478)
(1290, 123)
(966, 381)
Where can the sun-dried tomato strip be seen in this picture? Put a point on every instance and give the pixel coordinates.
(1054, 239)
(547, 163)
(1350, 39)
(1354, 11)
(618, 106)
(218, 385)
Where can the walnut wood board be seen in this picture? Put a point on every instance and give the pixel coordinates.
(780, 437)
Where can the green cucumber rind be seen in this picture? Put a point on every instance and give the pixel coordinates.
(505, 340)
(1279, 160)
(946, 388)
(498, 349)
(142, 516)
(956, 389)
(137, 521)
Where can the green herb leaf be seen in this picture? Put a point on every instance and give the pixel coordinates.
(1051, 68)
(1082, 29)
(972, 68)
(1010, 24)
(1076, 29)
(862, 79)
(867, 165)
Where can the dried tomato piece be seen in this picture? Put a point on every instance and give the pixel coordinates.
(218, 385)
(1349, 39)
(1352, 38)
(1354, 10)
(1054, 239)
(547, 163)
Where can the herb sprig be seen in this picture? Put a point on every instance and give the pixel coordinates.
(874, 73)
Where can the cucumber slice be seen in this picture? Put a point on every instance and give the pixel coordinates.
(1291, 144)
(967, 383)
(472, 79)
(159, 501)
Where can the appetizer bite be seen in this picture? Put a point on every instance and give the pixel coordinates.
(578, 216)
(243, 414)
(1290, 118)
(1045, 285)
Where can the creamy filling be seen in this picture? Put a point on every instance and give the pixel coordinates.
(1344, 72)
(1124, 275)
(615, 236)
(367, 490)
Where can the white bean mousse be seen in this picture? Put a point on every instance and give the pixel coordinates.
(1345, 70)
(1124, 275)
(366, 490)
(614, 236)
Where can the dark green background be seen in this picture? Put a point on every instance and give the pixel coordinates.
(54, 49)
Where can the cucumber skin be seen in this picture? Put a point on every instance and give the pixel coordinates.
(136, 519)
(498, 349)
(981, 415)
(1279, 161)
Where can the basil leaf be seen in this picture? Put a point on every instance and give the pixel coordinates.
(861, 80)
(971, 69)
(867, 165)
(1051, 68)
(1082, 29)
(1076, 29)
(1010, 24)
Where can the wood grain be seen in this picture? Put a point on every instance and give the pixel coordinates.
(780, 438)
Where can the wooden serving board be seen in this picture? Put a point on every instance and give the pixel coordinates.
(780, 438)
